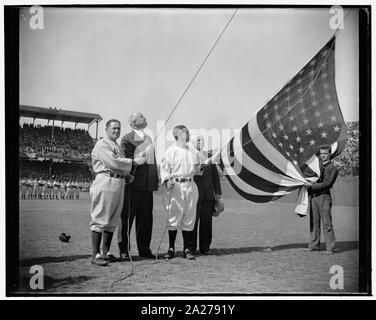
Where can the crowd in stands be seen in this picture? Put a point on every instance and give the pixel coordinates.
(59, 170)
(38, 141)
(348, 161)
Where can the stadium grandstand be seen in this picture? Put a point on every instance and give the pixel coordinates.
(55, 154)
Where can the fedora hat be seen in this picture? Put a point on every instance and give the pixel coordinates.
(218, 207)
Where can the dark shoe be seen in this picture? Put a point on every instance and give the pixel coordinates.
(188, 255)
(170, 254)
(310, 249)
(98, 260)
(110, 258)
(330, 252)
(124, 257)
(204, 252)
(147, 255)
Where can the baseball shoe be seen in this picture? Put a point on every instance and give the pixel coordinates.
(99, 261)
(329, 252)
(188, 255)
(204, 252)
(124, 257)
(170, 254)
(110, 257)
(147, 256)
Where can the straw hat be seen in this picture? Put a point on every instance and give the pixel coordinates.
(218, 207)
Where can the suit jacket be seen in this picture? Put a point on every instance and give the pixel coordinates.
(146, 175)
(208, 183)
(328, 176)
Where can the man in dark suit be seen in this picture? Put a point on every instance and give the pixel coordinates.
(209, 190)
(138, 201)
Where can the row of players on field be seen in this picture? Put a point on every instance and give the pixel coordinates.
(48, 189)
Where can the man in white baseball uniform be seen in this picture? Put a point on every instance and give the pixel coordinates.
(56, 186)
(68, 193)
(41, 184)
(178, 166)
(23, 188)
(78, 189)
(29, 187)
(61, 189)
(35, 188)
(107, 191)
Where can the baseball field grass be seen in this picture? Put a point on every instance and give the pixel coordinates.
(256, 249)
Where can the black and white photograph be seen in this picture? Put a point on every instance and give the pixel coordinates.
(188, 150)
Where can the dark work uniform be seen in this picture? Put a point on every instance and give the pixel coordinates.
(208, 184)
(138, 196)
(320, 207)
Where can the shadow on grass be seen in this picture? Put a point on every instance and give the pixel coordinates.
(341, 246)
(42, 260)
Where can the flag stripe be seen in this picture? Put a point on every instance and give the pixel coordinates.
(241, 184)
(253, 152)
(253, 168)
(251, 197)
(278, 147)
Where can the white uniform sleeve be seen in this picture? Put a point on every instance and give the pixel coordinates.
(165, 167)
(112, 161)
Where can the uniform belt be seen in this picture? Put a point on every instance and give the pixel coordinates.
(183, 179)
(114, 175)
(118, 176)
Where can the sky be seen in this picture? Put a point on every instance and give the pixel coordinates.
(118, 61)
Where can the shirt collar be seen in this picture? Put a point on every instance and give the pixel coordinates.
(140, 133)
(326, 163)
(109, 141)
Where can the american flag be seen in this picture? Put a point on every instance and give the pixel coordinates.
(266, 159)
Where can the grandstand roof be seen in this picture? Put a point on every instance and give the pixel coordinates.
(58, 114)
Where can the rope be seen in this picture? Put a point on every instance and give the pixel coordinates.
(168, 208)
(194, 77)
(133, 266)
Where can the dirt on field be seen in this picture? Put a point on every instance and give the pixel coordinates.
(256, 248)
